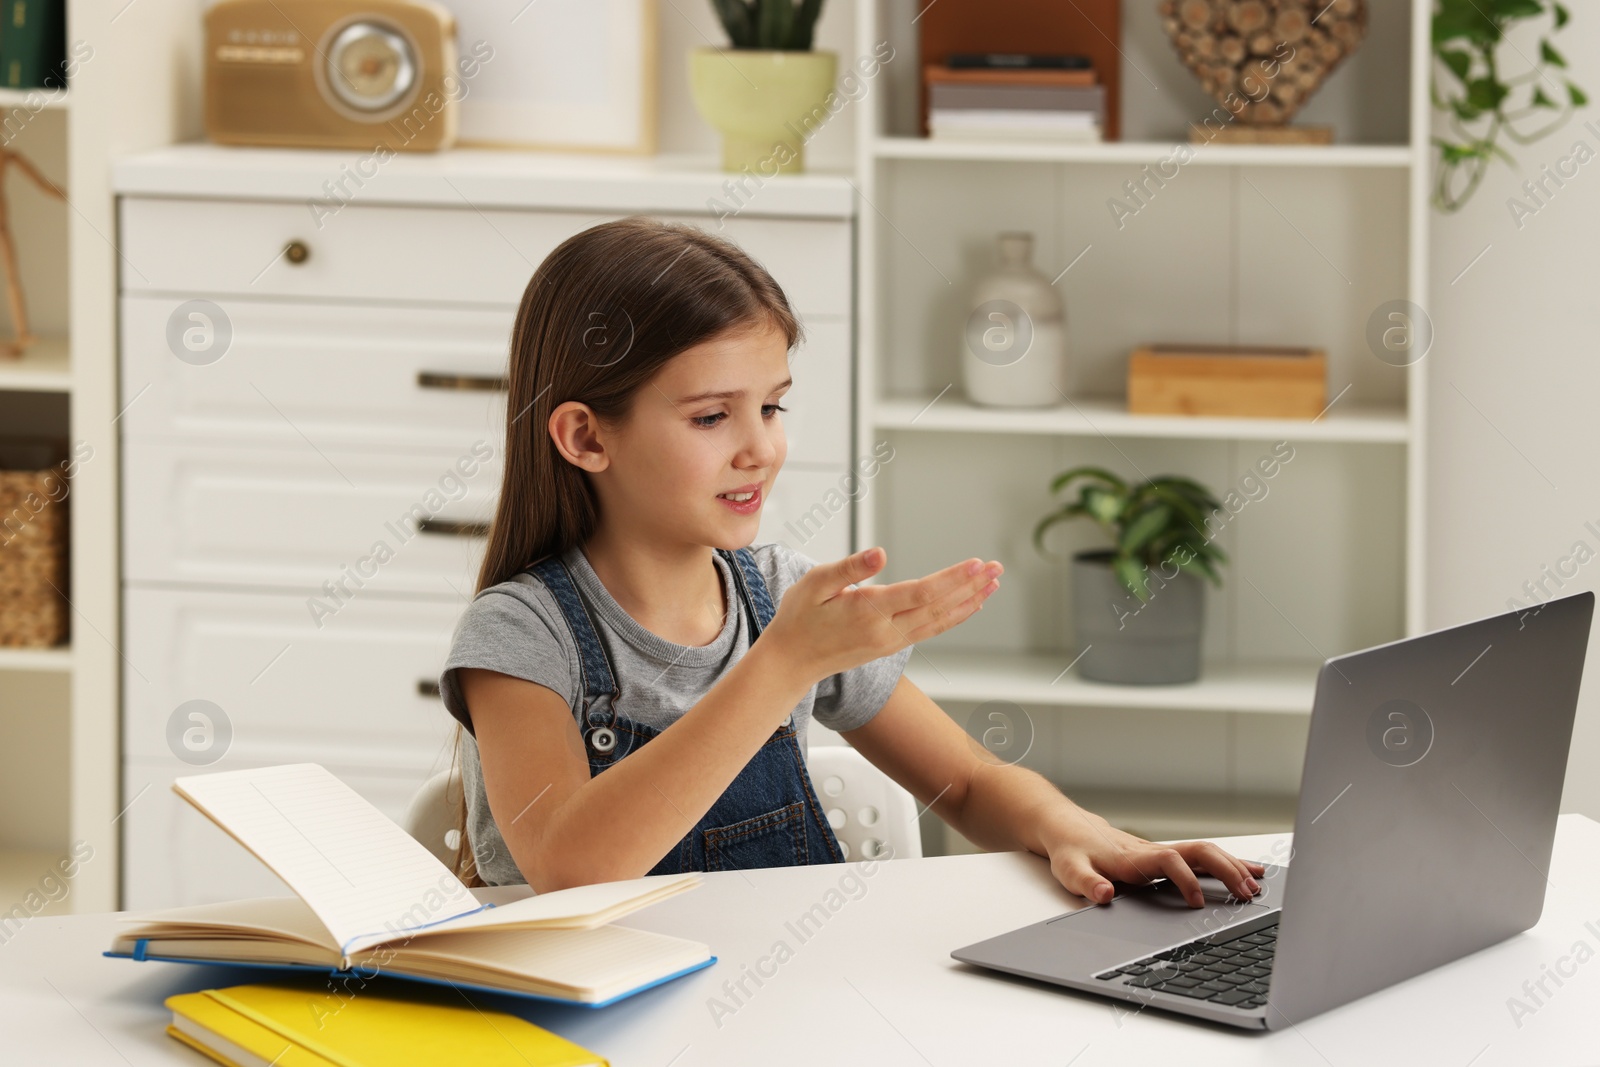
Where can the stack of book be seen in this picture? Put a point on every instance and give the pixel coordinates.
(1035, 103)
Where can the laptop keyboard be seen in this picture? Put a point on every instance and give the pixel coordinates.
(1233, 972)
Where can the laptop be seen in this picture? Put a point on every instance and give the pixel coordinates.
(1426, 815)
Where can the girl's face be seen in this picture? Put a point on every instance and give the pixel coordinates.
(707, 425)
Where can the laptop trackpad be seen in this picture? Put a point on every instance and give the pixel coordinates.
(1158, 916)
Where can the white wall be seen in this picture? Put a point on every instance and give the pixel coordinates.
(1515, 385)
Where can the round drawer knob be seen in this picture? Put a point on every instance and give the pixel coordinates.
(297, 251)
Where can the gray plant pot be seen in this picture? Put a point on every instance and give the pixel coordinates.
(1156, 642)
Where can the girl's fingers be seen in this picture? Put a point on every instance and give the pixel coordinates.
(944, 615)
(1143, 862)
(1080, 877)
(896, 597)
(1207, 858)
(1212, 860)
(953, 606)
(1176, 868)
(915, 593)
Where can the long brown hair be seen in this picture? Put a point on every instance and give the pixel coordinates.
(601, 316)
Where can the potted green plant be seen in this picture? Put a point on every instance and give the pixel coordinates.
(1138, 605)
(766, 94)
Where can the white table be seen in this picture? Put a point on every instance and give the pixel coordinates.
(875, 984)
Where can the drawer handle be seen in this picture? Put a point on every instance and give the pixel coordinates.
(453, 527)
(297, 252)
(428, 687)
(483, 383)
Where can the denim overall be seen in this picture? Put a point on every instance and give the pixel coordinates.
(769, 816)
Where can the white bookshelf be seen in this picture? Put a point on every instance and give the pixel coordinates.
(55, 660)
(1086, 416)
(1175, 815)
(1248, 244)
(34, 99)
(1045, 680)
(44, 368)
(59, 763)
(1138, 153)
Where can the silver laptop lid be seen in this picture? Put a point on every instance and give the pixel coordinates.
(1428, 802)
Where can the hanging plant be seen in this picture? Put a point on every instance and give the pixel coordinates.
(1480, 104)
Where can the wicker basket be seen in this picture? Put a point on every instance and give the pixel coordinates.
(33, 545)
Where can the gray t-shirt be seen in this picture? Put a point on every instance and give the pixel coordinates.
(516, 628)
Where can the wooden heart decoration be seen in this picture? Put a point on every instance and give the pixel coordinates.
(1270, 55)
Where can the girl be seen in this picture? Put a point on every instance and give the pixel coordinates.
(618, 716)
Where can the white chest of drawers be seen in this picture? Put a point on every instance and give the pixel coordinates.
(302, 516)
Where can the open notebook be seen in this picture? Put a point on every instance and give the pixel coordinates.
(372, 899)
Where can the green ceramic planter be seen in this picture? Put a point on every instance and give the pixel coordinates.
(766, 104)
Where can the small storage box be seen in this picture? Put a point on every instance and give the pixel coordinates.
(33, 545)
(1236, 381)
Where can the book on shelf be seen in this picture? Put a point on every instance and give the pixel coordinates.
(371, 899)
(1016, 61)
(33, 44)
(298, 1023)
(935, 74)
(1080, 128)
(1031, 104)
(1089, 99)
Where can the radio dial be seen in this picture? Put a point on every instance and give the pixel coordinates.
(371, 66)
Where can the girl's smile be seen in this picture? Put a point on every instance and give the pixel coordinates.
(746, 500)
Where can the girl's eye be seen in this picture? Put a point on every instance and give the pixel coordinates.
(707, 421)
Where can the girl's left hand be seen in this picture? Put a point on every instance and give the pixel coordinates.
(1088, 856)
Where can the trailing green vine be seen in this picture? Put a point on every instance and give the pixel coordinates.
(1467, 37)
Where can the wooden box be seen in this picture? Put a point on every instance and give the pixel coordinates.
(1236, 381)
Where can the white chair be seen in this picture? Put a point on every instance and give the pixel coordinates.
(872, 815)
(430, 817)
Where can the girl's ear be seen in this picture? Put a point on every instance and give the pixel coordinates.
(577, 436)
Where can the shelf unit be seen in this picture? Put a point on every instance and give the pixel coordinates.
(1248, 244)
(34, 99)
(1045, 680)
(1136, 153)
(44, 368)
(59, 765)
(1096, 416)
(1174, 815)
(36, 659)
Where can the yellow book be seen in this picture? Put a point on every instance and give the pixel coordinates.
(299, 1024)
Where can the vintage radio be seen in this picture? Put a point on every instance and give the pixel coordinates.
(331, 74)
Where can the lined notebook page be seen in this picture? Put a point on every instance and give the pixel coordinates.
(366, 879)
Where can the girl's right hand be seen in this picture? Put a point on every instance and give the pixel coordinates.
(826, 624)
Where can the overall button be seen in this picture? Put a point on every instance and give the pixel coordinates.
(602, 739)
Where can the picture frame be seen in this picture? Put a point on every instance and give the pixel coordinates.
(558, 75)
